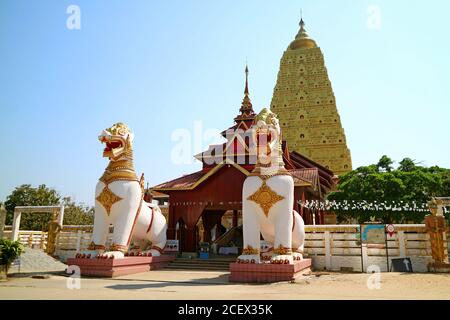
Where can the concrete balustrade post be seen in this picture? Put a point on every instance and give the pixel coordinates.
(2, 220)
(327, 238)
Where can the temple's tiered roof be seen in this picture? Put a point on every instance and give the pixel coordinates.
(237, 152)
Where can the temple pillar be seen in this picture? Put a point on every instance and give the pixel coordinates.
(219, 224)
(190, 243)
(171, 228)
(16, 225)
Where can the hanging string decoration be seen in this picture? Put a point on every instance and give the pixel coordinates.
(363, 205)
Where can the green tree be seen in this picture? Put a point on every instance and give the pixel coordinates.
(77, 214)
(385, 164)
(26, 195)
(407, 165)
(409, 183)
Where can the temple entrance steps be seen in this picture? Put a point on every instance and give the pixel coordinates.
(219, 263)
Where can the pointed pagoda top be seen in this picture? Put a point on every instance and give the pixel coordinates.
(302, 39)
(246, 80)
(246, 109)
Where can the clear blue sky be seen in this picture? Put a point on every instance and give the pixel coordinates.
(163, 65)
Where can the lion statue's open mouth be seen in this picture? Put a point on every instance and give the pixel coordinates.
(117, 140)
(112, 148)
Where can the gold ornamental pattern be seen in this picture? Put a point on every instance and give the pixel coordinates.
(107, 198)
(282, 250)
(265, 197)
(249, 250)
(119, 170)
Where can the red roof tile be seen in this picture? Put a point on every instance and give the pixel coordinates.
(309, 175)
(183, 182)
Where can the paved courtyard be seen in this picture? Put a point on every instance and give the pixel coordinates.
(195, 285)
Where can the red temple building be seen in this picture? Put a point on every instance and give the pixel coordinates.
(211, 199)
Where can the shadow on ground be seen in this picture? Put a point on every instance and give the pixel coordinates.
(219, 280)
(36, 274)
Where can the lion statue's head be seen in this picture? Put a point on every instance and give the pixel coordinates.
(268, 138)
(117, 139)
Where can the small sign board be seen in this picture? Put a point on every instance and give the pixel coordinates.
(390, 229)
(401, 265)
(373, 233)
(172, 246)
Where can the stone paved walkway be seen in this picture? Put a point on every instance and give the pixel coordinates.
(195, 285)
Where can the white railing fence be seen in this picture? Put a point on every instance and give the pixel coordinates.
(337, 248)
(332, 247)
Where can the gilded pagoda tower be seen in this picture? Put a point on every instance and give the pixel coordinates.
(305, 104)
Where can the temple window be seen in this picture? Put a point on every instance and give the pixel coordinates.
(302, 116)
(302, 136)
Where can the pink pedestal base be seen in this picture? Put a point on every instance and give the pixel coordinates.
(119, 267)
(266, 272)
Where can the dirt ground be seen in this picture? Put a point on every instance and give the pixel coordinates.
(195, 285)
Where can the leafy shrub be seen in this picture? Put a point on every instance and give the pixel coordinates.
(9, 251)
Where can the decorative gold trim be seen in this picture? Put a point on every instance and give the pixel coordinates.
(249, 250)
(282, 250)
(265, 197)
(107, 198)
(118, 247)
(93, 246)
(120, 169)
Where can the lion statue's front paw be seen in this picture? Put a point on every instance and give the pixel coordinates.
(89, 254)
(113, 255)
(151, 253)
(267, 256)
(282, 259)
(248, 258)
(297, 256)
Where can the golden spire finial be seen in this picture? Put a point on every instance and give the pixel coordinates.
(302, 39)
(246, 107)
(246, 79)
(302, 33)
(302, 23)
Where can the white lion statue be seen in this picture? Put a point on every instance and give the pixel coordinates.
(120, 202)
(268, 200)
